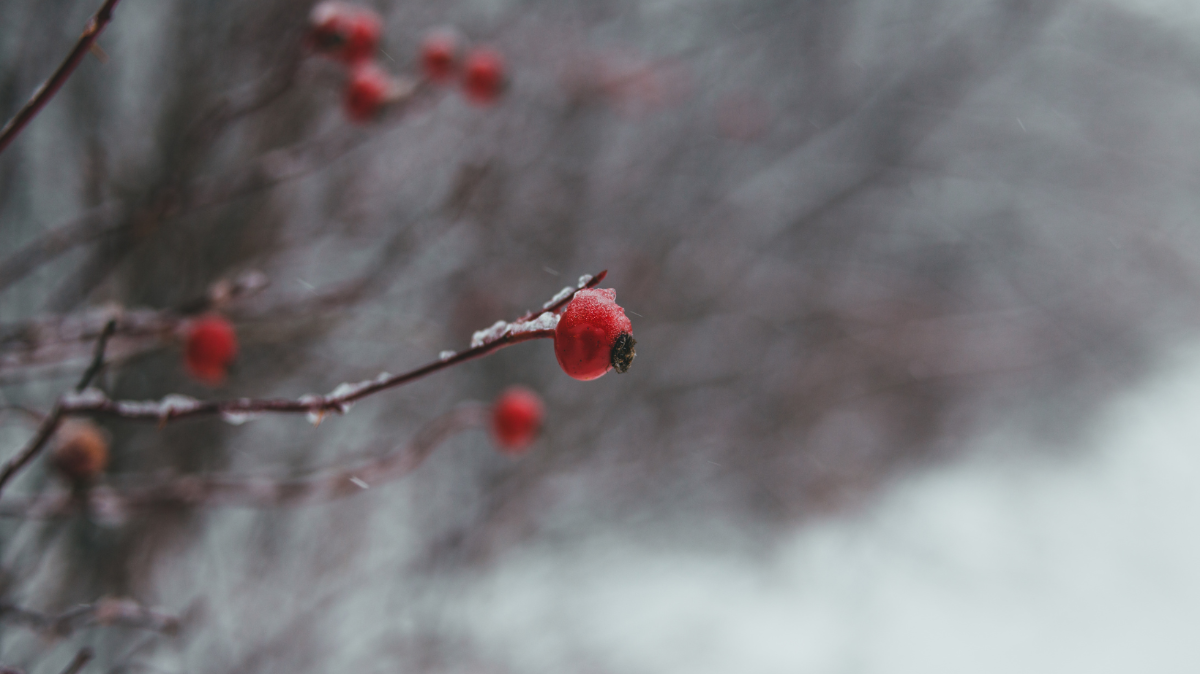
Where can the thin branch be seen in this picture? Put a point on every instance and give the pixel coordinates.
(256, 492)
(83, 229)
(35, 444)
(54, 418)
(51, 86)
(81, 658)
(175, 407)
(60, 340)
(106, 611)
(98, 355)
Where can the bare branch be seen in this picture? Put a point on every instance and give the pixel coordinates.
(35, 445)
(83, 229)
(54, 418)
(107, 611)
(256, 492)
(81, 658)
(98, 355)
(51, 86)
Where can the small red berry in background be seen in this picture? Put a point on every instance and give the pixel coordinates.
(211, 346)
(516, 419)
(367, 93)
(81, 451)
(594, 335)
(348, 33)
(440, 54)
(484, 76)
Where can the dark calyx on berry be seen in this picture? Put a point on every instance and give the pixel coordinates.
(623, 352)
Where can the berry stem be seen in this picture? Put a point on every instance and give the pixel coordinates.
(51, 86)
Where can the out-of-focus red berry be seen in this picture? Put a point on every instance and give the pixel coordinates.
(211, 346)
(516, 419)
(440, 51)
(348, 33)
(594, 335)
(81, 451)
(367, 92)
(484, 76)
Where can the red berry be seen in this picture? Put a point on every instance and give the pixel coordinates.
(367, 92)
(594, 335)
(484, 77)
(211, 347)
(516, 419)
(345, 32)
(439, 55)
(81, 452)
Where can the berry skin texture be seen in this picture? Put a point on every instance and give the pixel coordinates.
(344, 32)
(516, 419)
(594, 335)
(484, 76)
(81, 452)
(440, 53)
(211, 346)
(367, 93)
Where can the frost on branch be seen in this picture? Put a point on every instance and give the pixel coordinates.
(239, 418)
(567, 291)
(498, 330)
(546, 321)
(347, 390)
(170, 405)
(88, 397)
(559, 296)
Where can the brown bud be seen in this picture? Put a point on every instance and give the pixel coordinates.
(81, 451)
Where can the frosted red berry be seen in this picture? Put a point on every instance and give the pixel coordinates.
(516, 419)
(440, 52)
(211, 346)
(348, 33)
(367, 92)
(594, 335)
(484, 76)
(80, 452)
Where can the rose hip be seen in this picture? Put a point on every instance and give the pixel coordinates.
(594, 335)
(516, 419)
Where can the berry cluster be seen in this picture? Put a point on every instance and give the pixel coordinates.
(481, 72)
(350, 34)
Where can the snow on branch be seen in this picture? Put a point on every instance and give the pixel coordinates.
(174, 407)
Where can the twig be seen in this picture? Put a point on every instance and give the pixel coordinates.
(175, 407)
(92, 225)
(35, 444)
(60, 340)
(54, 418)
(81, 658)
(45, 92)
(106, 611)
(98, 355)
(257, 492)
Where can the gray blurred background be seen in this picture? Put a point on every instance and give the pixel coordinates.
(888, 262)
